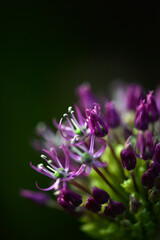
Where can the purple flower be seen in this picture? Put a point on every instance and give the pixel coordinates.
(141, 118)
(128, 159)
(148, 178)
(114, 208)
(95, 122)
(152, 108)
(157, 154)
(38, 197)
(86, 97)
(88, 157)
(100, 195)
(56, 170)
(92, 205)
(74, 130)
(134, 94)
(111, 115)
(145, 145)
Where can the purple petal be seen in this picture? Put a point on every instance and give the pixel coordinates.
(79, 115)
(80, 170)
(66, 158)
(91, 149)
(100, 164)
(75, 157)
(54, 185)
(101, 150)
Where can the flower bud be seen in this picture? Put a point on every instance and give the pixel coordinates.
(154, 194)
(157, 98)
(128, 159)
(72, 197)
(111, 115)
(38, 197)
(93, 205)
(141, 118)
(114, 208)
(95, 122)
(148, 178)
(152, 109)
(65, 204)
(145, 145)
(157, 154)
(100, 195)
(134, 205)
(134, 94)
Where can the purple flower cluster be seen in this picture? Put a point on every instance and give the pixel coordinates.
(83, 135)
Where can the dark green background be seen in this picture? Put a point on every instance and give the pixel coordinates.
(46, 51)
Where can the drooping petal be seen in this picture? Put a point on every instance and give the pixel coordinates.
(54, 185)
(80, 170)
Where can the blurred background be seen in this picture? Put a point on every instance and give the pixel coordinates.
(46, 51)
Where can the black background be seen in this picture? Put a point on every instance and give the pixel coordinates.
(46, 51)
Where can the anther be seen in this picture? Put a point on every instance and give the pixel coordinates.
(40, 166)
(49, 161)
(70, 109)
(43, 156)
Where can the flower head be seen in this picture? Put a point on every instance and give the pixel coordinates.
(56, 170)
(89, 153)
(82, 155)
(74, 129)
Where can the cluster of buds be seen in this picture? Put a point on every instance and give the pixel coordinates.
(104, 166)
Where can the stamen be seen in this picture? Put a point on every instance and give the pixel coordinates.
(65, 115)
(75, 125)
(51, 169)
(76, 150)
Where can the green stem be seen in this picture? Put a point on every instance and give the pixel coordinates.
(81, 187)
(134, 181)
(116, 158)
